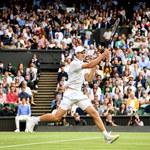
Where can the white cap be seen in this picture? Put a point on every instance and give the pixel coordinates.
(79, 49)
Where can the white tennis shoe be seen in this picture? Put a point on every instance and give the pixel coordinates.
(111, 139)
(17, 130)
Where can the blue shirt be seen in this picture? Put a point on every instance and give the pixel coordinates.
(24, 110)
(142, 64)
(21, 22)
(23, 95)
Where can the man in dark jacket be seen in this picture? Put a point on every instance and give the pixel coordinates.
(6, 111)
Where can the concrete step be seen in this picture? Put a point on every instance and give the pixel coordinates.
(42, 110)
(48, 73)
(45, 92)
(43, 102)
(43, 96)
(47, 78)
(46, 86)
(38, 113)
(41, 107)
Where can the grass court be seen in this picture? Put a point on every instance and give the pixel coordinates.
(72, 141)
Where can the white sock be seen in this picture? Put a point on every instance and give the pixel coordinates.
(105, 133)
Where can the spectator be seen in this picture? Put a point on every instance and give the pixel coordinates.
(107, 37)
(109, 110)
(11, 70)
(138, 93)
(80, 111)
(5, 85)
(86, 41)
(147, 84)
(18, 44)
(62, 73)
(122, 110)
(36, 62)
(96, 105)
(28, 91)
(118, 101)
(109, 121)
(133, 102)
(96, 90)
(143, 62)
(2, 97)
(117, 86)
(131, 86)
(140, 79)
(32, 65)
(12, 97)
(1, 68)
(56, 106)
(7, 77)
(147, 109)
(107, 69)
(104, 105)
(6, 111)
(61, 85)
(21, 68)
(30, 84)
(19, 77)
(85, 92)
(146, 72)
(23, 113)
(23, 94)
(57, 98)
(135, 121)
(144, 99)
(78, 121)
(32, 78)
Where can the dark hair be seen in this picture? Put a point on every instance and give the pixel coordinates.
(120, 108)
(23, 98)
(6, 104)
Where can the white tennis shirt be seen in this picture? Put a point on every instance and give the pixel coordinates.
(76, 75)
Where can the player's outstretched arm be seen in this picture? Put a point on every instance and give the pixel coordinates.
(89, 76)
(93, 63)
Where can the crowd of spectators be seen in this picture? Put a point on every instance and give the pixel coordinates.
(17, 83)
(121, 85)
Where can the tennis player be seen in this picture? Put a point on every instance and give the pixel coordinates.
(73, 95)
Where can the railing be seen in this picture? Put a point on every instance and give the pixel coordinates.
(8, 123)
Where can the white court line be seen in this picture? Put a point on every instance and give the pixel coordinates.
(47, 142)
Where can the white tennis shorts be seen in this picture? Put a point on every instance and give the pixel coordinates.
(74, 97)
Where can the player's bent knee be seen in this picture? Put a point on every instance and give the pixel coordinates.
(57, 118)
(94, 114)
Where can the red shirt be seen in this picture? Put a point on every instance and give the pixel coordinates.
(12, 98)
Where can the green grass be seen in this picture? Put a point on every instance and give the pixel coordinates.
(72, 141)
